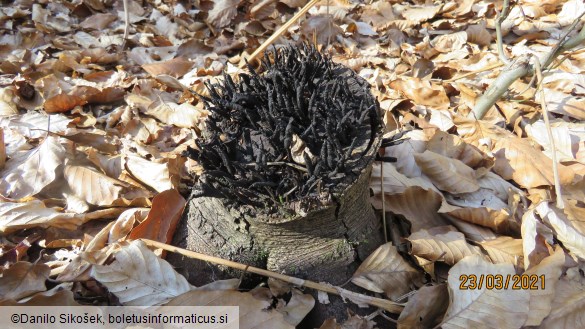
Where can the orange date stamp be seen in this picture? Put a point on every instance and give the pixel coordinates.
(501, 282)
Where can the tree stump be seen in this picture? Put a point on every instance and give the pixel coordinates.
(286, 158)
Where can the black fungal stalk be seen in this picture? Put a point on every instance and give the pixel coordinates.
(298, 129)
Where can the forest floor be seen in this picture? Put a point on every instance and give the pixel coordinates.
(92, 135)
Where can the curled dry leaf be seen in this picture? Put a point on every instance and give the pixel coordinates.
(550, 270)
(138, 277)
(484, 308)
(565, 231)
(298, 307)
(160, 225)
(442, 243)
(23, 279)
(425, 308)
(448, 175)
(386, 271)
(117, 230)
(569, 302)
(568, 139)
(534, 244)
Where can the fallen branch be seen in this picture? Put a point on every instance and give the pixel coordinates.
(355, 297)
(520, 68)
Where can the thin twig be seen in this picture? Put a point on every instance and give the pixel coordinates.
(373, 301)
(540, 87)
(126, 22)
(564, 43)
(487, 68)
(278, 32)
(499, 39)
(384, 226)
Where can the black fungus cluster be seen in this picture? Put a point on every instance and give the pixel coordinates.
(298, 127)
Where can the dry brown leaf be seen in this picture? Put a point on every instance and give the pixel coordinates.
(23, 279)
(472, 232)
(415, 142)
(478, 34)
(448, 175)
(155, 175)
(184, 115)
(385, 271)
(7, 102)
(422, 92)
(447, 43)
(418, 205)
(426, 308)
(223, 12)
(298, 307)
(515, 157)
(117, 230)
(565, 232)
(92, 186)
(454, 147)
(2, 150)
(176, 67)
(442, 243)
(569, 302)
(62, 296)
(575, 212)
(565, 104)
(160, 225)
(534, 239)
(138, 277)
(63, 103)
(98, 21)
(549, 269)
(27, 173)
(484, 308)
(254, 313)
(504, 250)
(481, 207)
(18, 216)
(421, 14)
(321, 27)
(498, 186)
